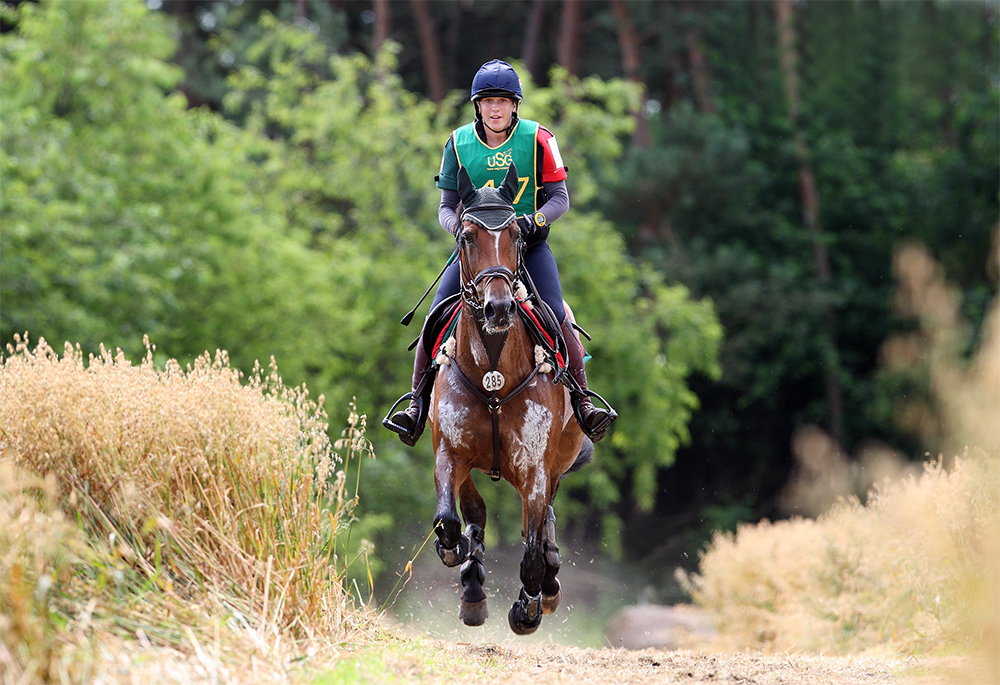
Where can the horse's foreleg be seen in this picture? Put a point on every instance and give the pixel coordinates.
(526, 613)
(473, 611)
(551, 593)
(451, 545)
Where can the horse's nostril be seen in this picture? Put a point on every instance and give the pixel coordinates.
(489, 311)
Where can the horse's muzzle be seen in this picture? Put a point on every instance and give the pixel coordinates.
(496, 288)
(498, 312)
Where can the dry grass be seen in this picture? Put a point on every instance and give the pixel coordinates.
(176, 510)
(909, 571)
(914, 570)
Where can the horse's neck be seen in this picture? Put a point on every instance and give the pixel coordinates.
(513, 357)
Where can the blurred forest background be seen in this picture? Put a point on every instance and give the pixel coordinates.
(257, 176)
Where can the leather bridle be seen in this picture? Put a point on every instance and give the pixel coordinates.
(472, 287)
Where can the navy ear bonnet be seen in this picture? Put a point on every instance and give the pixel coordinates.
(489, 209)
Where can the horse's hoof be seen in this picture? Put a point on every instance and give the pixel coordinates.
(551, 602)
(454, 556)
(525, 615)
(473, 613)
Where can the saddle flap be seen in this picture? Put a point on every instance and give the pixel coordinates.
(439, 320)
(549, 337)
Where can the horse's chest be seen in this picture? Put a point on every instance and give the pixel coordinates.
(526, 427)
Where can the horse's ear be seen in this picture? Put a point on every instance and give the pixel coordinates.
(508, 189)
(466, 188)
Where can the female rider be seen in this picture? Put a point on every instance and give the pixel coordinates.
(486, 147)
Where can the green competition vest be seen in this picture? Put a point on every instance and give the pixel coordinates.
(487, 166)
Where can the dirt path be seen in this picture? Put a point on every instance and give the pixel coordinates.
(556, 664)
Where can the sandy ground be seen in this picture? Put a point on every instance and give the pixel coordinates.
(557, 664)
(492, 654)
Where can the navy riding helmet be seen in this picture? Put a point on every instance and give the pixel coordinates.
(496, 78)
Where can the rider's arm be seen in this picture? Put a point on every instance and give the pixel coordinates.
(556, 201)
(448, 210)
(553, 173)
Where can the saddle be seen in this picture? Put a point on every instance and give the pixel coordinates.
(440, 321)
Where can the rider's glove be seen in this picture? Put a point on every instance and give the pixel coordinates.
(534, 229)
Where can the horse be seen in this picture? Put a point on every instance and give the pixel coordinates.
(497, 408)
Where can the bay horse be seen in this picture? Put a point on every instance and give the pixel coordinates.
(498, 409)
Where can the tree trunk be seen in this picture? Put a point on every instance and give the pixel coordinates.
(383, 23)
(568, 47)
(628, 39)
(429, 48)
(533, 37)
(701, 78)
(630, 46)
(785, 16)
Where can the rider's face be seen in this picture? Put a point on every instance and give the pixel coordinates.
(496, 112)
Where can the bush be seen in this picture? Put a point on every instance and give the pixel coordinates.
(204, 504)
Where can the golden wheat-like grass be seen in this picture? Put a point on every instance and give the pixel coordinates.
(914, 570)
(907, 571)
(176, 507)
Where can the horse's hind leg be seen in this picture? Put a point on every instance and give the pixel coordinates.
(550, 585)
(473, 611)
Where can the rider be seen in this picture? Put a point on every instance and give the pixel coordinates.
(486, 147)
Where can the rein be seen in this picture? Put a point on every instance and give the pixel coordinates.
(493, 380)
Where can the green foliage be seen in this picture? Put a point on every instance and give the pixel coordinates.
(900, 113)
(302, 228)
(298, 218)
(126, 213)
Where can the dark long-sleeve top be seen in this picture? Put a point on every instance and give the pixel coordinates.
(556, 204)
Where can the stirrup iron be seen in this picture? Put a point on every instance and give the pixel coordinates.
(407, 435)
(597, 432)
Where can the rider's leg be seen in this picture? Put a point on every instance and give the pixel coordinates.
(451, 283)
(593, 420)
(544, 273)
(409, 422)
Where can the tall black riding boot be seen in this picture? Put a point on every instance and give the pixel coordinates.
(593, 420)
(409, 422)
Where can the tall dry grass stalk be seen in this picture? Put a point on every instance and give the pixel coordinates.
(207, 510)
(914, 570)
